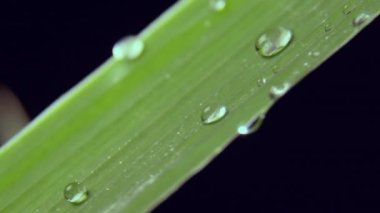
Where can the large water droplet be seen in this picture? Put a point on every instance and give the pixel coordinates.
(252, 126)
(130, 47)
(218, 5)
(279, 91)
(273, 41)
(75, 193)
(212, 115)
(360, 19)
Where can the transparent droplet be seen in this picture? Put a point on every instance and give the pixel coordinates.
(279, 91)
(218, 5)
(130, 47)
(328, 27)
(348, 8)
(261, 82)
(314, 53)
(212, 115)
(360, 19)
(252, 126)
(275, 69)
(273, 41)
(75, 193)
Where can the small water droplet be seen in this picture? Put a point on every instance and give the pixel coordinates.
(75, 193)
(218, 5)
(261, 82)
(212, 115)
(314, 53)
(306, 64)
(279, 91)
(252, 126)
(273, 41)
(347, 9)
(130, 47)
(328, 27)
(360, 19)
(275, 69)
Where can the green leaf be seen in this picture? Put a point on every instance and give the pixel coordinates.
(132, 132)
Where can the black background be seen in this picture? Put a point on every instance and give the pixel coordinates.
(318, 150)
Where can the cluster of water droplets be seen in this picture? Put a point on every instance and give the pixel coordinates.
(269, 44)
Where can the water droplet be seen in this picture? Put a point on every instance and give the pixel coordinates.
(130, 47)
(218, 5)
(261, 82)
(252, 126)
(360, 19)
(347, 9)
(328, 27)
(275, 69)
(306, 64)
(279, 91)
(273, 41)
(314, 53)
(75, 193)
(212, 115)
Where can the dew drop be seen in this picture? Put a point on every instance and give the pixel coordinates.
(277, 92)
(347, 9)
(252, 126)
(360, 19)
(261, 82)
(130, 47)
(328, 27)
(273, 41)
(314, 53)
(212, 115)
(275, 69)
(218, 5)
(75, 193)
